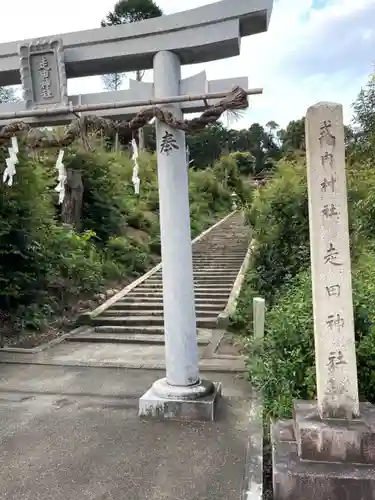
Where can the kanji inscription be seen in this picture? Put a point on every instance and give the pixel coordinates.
(330, 262)
(168, 143)
(43, 74)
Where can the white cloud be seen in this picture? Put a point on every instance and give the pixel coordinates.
(306, 56)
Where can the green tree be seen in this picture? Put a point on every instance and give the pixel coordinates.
(112, 81)
(272, 126)
(8, 94)
(208, 145)
(131, 11)
(364, 119)
(263, 147)
(293, 137)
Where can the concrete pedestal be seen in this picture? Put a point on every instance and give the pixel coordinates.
(324, 459)
(175, 403)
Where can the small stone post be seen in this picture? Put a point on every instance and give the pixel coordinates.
(258, 317)
(328, 450)
(336, 369)
(169, 397)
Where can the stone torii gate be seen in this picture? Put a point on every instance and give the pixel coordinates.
(199, 35)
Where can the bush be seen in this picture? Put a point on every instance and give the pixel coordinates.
(104, 182)
(283, 368)
(362, 199)
(279, 217)
(26, 217)
(226, 170)
(132, 256)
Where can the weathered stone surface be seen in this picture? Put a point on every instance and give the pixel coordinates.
(295, 479)
(43, 73)
(334, 440)
(151, 405)
(336, 369)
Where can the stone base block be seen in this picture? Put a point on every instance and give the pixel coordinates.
(334, 440)
(153, 405)
(296, 479)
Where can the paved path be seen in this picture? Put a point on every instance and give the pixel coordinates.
(123, 356)
(69, 433)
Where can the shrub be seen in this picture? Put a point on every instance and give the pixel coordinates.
(245, 162)
(132, 256)
(105, 184)
(362, 199)
(26, 216)
(279, 217)
(226, 170)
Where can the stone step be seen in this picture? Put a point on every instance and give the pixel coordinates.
(128, 338)
(219, 254)
(212, 255)
(151, 303)
(222, 250)
(126, 311)
(223, 245)
(214, 271)
(206, 295)
(219, 262)
(208, 281)
(130, 330)
(157, 293)
(209, 322)
(199, 279)
(204, 268)
(201, 287)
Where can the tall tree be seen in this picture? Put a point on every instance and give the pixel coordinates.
(8, 94)
(112, 81)
(272, 126)
(364, 119)
(126, 12)
(293, 137)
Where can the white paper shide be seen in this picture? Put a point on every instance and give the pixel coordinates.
(10, 170)
(135, 178)
(60, 188)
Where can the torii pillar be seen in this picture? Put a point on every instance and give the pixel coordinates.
(182, 393)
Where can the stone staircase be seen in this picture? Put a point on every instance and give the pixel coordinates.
(138, 317)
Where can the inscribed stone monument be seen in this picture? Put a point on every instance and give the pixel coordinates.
(43, 74)
(336, 369)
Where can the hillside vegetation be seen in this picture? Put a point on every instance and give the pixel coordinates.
(48, 270)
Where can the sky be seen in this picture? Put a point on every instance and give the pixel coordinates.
(314, 50)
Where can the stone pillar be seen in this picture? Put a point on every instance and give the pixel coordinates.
(328, 450)
(336, 369)
(182, 382)
(178, 283)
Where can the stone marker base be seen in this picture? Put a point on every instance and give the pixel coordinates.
(323, 459)
(164, 402)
